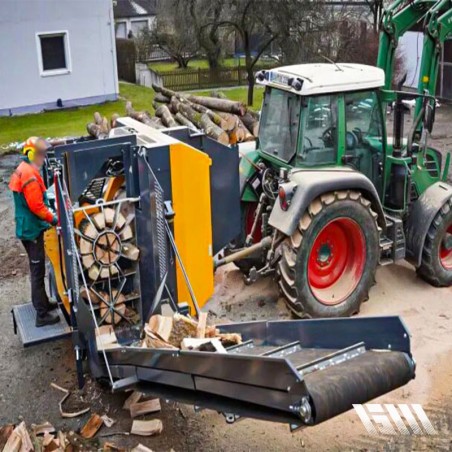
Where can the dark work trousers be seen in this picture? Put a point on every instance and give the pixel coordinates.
(36, 257)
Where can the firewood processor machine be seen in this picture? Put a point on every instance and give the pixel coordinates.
(142, 216)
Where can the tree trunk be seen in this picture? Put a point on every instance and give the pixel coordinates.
(217, 119)
(229, 106)
(183, 121)
(251, 123)
(202, 121)
(164, 113)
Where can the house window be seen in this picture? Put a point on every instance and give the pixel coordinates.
(53, 53)
(137, 26)
(121, 30)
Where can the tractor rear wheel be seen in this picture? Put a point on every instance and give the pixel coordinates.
(328, 265)
(436, 265)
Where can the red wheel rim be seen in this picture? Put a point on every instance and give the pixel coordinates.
(249, 220)
(336, 262)
(445, 254)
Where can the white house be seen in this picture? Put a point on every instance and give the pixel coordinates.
(131, 16)
(56, 53)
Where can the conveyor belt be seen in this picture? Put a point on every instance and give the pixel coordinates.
(272, 376)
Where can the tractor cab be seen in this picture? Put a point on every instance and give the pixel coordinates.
(324, 115)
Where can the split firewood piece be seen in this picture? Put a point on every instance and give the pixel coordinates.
(202, 323)
(47, 440)
(161, 326)
(147, 428)
(135, 397)
(106, 338)
(153, 341)
(19, 440)
(119, 305)
(61, 436)
(110, 215)
(93, 425)
(60, 404)
(94, 272)
(126, 233)
(251, 123)
(108, 421)
(229, 339)
(88, 229)
(141, 448)
(147, 407)
(182, 327)
(204, 345)
(131, 251)
(41, 429)
(108, 446)
(95, 299)
(99, 220)
(5, 433)
(212, 331)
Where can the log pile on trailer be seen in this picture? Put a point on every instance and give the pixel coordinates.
(226, 121)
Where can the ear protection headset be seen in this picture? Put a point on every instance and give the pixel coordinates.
(29, 148)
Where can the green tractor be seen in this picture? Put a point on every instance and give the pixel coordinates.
(328, 195)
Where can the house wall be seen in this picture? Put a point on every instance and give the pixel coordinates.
(92, 74)
(410, 45)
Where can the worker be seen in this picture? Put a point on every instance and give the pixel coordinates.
(33, 216)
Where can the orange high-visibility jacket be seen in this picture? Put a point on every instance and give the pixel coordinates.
(30, 199)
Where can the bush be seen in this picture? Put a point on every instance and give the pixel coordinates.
(126, 57)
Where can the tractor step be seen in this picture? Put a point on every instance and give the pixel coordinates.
(24, 318)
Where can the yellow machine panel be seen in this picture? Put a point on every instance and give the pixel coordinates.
(190, 187)
(52, 250)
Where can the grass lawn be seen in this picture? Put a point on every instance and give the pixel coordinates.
(73, 122)
(169, 66)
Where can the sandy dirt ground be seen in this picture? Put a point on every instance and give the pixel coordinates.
(26, 374)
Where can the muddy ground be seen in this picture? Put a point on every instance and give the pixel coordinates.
(26, 374)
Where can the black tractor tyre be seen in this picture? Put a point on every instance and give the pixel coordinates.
(337, 211)
(432, 269)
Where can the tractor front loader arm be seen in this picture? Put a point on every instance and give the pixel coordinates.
(307, 185)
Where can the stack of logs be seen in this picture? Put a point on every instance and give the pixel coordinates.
(224, 120)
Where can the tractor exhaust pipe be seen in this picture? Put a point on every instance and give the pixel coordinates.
(265, 243)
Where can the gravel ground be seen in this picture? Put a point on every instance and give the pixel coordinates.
(26, 374)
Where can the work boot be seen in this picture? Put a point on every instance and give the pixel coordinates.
(52, 306)
(47, 319)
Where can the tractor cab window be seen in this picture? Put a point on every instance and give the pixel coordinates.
(364, 133)
(279, 124)
(319, 140)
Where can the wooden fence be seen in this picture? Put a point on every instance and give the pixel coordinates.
(190, 79)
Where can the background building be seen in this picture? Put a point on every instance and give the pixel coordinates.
(56, 53)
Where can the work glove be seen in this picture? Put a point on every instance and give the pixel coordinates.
(54, 220)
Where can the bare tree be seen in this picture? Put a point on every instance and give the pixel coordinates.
(205, 16)
(173, 33)
(250, 18)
